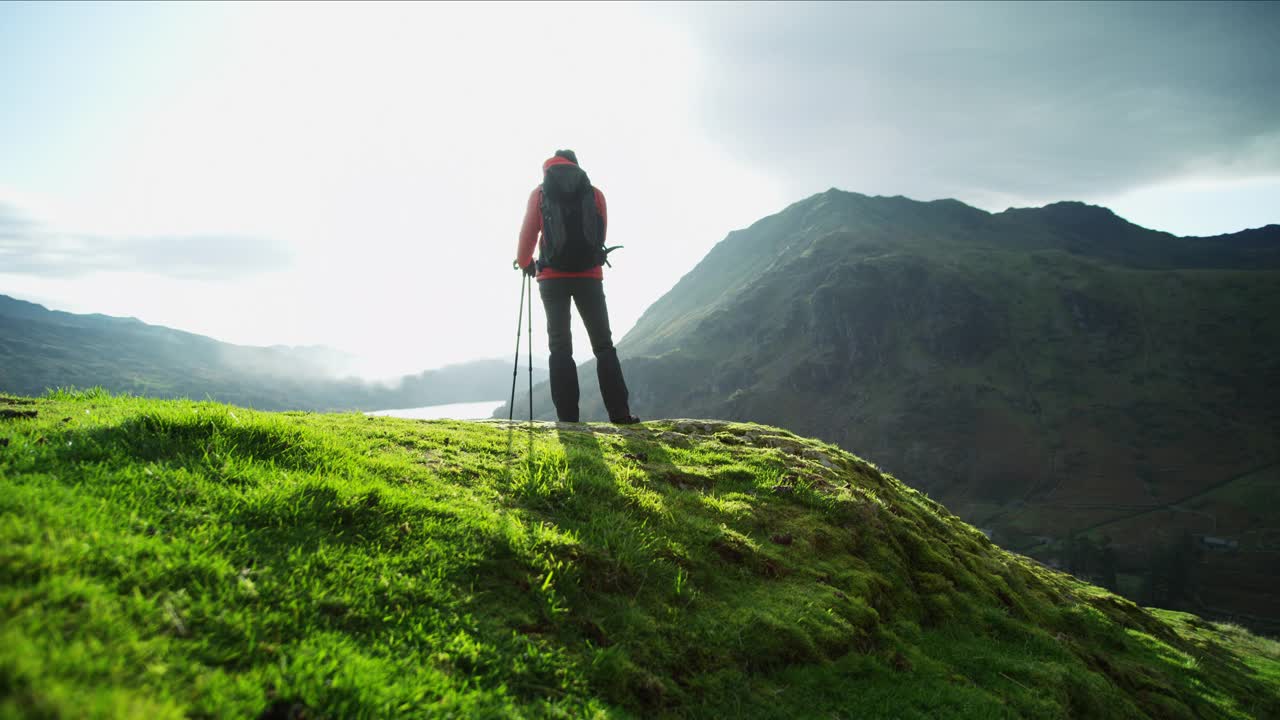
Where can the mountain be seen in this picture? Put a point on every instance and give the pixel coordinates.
(42, 349)
(189, 559)
(1100, 395)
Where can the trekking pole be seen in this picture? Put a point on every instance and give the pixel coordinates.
(515, 368)
(530, 291)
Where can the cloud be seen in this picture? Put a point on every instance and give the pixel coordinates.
(1032, 101)
(28, 247)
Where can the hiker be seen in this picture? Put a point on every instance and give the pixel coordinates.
(570, 215)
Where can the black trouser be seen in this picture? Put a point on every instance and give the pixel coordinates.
(588, 295)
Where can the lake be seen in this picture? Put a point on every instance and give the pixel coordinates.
(454, 411)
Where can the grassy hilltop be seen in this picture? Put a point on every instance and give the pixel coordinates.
(173, 558)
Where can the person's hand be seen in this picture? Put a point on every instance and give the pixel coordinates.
(531, 269)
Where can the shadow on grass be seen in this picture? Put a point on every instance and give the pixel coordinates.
(646, 448)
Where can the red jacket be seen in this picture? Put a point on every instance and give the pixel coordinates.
(531, 229)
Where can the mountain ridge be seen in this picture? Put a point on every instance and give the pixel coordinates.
(954, 209)
(17, 307)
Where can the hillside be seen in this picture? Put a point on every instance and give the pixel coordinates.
(175, 558)
(1072, 383)
(42, 349)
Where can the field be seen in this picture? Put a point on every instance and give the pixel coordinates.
(176, 558)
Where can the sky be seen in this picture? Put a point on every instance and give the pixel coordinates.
(354, 175)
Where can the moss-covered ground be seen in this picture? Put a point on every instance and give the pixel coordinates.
(171, 558)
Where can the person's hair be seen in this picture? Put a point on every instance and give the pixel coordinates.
(569, 155)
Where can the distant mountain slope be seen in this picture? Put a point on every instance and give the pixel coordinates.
(1040, 371)
(41, 349)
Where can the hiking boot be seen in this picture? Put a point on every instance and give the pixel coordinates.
(628, 420)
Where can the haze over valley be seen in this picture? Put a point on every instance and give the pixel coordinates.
(42, 350)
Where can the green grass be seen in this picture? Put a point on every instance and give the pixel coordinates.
(173, 558)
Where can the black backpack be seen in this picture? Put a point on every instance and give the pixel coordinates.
(572, 227)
